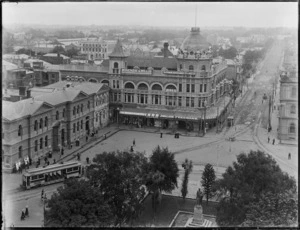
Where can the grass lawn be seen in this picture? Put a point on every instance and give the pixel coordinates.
(167, 210)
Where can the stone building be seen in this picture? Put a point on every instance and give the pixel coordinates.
(288, 108)
(96, 49)
(54, 118)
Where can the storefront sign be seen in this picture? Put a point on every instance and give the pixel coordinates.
(136, 71)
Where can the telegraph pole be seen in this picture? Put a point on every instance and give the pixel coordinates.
(270, 127)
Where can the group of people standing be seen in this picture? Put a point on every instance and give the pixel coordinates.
(20, 165)
(25, 213)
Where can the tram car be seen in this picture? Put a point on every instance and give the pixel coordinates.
(51, 174)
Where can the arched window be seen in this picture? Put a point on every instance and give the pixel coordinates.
(20, 152)
(41, 123)
(36, 145)
(74, 128)
(293, 109)
(143, 86)
(294, 91)
(156, 87)
(46, 121)
(180, 67)
(57, 115)
(77, 125)
(46, 141)
(191, 68)
(105, 82)
(129, 85)
(41, 143)
(203, 67)
(35, 125)
(292, 128)
(20, 130)
(74, 110)
(171, 88)
(116, 65)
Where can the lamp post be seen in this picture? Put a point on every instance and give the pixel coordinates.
(217, 118)
(118, 109)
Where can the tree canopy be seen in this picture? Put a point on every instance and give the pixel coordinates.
(120, 178)
(208, 180)
(228, 53)
(78, 204)
(253, 181)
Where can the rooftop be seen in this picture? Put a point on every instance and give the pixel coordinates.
(56, 55)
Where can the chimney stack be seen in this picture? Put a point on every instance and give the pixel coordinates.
(166, 45)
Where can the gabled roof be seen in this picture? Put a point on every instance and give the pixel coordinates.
(8, 65)
(118, 50)
(16, 110)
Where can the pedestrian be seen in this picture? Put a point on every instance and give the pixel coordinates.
(273, 141)
(62, 151)
(48, 162)
(133, 142)
(78, 156)
(161, 134)
(30, 161)
(54, 161)
(23, 214)
(104, 136)
(289, 156)
(87, 160)
(26, 211)
(42, 194)
(131, 149)
(268, 139)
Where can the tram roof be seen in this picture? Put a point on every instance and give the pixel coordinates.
(51, 168)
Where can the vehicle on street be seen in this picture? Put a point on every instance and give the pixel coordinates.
(51, 174)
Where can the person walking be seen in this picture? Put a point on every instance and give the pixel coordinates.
(268, 139)
(27, 211)
(42, 194)
(23, 214)
(133, 142)
(161, 135)
(87, 160)
(273, 141)
(289, 156)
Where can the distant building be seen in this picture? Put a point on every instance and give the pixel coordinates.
(56, 59)
(54, 118)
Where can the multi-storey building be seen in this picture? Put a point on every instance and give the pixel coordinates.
(96, 48)
(182, 91)
(53, 118)
(288, 110)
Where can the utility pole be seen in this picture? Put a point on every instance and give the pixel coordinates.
(270, 127)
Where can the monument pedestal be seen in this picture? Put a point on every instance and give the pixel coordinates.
(198, 220)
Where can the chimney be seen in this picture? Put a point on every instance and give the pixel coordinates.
(166, 45)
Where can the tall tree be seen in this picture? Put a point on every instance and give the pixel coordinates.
(58, 49)
(78, 204)
(120, 178)
(208, 180)
(188, 167)
(256, 182)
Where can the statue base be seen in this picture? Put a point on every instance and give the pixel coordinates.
(198, 220)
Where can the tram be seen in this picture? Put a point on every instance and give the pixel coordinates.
(51, 174)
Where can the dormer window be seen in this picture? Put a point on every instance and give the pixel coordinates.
(191, 68)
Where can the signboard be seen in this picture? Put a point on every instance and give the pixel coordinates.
(136, 71)
(179, 73)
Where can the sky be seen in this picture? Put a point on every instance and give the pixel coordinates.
(217, 14)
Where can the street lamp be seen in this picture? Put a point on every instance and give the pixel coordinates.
(118, 109)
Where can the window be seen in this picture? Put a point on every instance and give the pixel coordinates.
(64, 113)
(20, 152)
(293, 109)
(57, 115)
(74, 110)
(187, 102)
(180, 87)
(180, 67)
(77, 109)
(35, 145)
(41, 143)
(192, 102)
(203, 67)
(96, 117)
(201, 88)
(46, 121)
(41, 123)
(35, 125)
(20, 130)
(292, 128)
(191, 68)
(114, 84)
(116, 65)
(187, 88)
(204, 87)
(88, 105)
(74, 128)
(46, 141)
(179, 101)
(81, 124)
(294, 92)
(117, 84)
(77, 125)
(199, 102)
(193, 88)
(81, 108)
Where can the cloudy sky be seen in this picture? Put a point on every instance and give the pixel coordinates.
(257, 14)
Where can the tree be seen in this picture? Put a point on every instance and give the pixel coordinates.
(188, 166)
(120, 178)
(78, 204)
(72, 52)
(256, 182)
(208, 180)
(59, 49)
